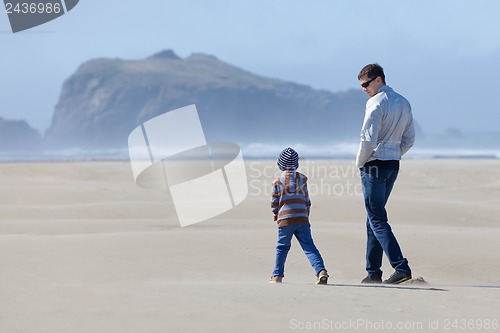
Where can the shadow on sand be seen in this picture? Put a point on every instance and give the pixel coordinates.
(403, 287)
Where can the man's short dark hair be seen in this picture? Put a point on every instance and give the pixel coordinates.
(372, 71)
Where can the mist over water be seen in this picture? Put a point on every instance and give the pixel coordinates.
(448, 144)
(469, 145)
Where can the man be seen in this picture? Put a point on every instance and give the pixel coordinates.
(387, 134)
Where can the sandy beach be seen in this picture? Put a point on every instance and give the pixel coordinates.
(84, 249)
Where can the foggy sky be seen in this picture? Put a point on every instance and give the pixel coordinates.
(441, 55)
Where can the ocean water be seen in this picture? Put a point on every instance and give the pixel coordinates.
(430, 146)
(252, 151)
(349, 150)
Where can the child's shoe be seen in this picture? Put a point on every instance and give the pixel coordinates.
(276, 279)
(322, 277)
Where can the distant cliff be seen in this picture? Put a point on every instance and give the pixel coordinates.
(105, 99)
(18, 136)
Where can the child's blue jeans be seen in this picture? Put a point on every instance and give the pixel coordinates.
(302, 232)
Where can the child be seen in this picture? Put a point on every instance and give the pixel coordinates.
(290, 204)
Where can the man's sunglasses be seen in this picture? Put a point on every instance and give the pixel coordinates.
(367, 83)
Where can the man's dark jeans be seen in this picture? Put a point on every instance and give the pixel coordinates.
(377, 185)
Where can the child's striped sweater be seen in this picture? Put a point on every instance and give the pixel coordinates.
(290, 201)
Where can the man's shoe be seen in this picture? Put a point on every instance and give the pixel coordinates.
(322, 277)
(373, 279)
(397, 278)
(276, 279)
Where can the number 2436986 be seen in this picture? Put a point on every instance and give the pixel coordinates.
(33, 8)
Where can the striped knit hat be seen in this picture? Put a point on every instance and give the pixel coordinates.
(288, 160)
